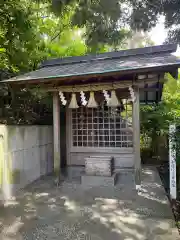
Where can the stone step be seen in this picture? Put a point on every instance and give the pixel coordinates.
(90, 181)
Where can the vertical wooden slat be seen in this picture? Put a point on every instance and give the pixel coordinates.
(56, 133)
(136, 137)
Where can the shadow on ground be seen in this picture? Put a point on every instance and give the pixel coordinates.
(70, 211)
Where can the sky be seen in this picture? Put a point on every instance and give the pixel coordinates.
(159, 34)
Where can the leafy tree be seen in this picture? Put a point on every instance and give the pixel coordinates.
(104, 21)
(16, 35)
(145, 15)
(21, 43)
(29, 33)
(155, 119)
(139, 39)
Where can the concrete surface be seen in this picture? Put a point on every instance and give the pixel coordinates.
(25, 155)
(70, 211)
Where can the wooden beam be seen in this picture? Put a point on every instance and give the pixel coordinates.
(56, 133)
(55, 83)
(100, 86)
(136, 138)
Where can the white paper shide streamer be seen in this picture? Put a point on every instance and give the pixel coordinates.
(62, 97)
(83, 98)
(106, 96)
(133, 98)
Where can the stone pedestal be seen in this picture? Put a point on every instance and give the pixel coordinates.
(98, 166)
(98, 171)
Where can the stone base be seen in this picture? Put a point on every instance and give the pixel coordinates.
(98, 166)
(91, 181)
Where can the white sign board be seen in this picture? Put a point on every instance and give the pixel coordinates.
(172, 161)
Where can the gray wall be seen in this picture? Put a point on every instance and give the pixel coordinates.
(26, 154)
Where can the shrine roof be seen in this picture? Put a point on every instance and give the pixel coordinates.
(155, 58)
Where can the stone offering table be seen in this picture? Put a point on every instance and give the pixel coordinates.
(98, 171)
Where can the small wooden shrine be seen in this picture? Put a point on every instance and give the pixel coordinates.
(96, 104)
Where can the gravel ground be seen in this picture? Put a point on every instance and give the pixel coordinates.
(70, 211)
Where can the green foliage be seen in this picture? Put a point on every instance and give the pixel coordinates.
(70, 43)
(30, 33)
(17, 37)
(145, 15)
(139, 39)
(171, 96)
(159, 116)
(156, 118)
(104, 21)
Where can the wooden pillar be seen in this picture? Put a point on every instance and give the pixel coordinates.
(56, 133)
(136, 138)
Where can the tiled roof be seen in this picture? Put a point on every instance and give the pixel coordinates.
(135, 59)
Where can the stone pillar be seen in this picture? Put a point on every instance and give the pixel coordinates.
(136, 138)
(172, 161)
(56, 133)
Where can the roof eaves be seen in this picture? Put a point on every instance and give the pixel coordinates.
(94, 73)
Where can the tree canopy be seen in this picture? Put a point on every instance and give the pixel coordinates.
(145, 15)
(105, 19)
(104, 22)
(17, 39)
(30, 32)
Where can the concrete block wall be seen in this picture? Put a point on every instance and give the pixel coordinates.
(26, 154)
